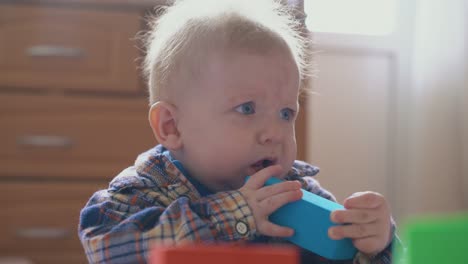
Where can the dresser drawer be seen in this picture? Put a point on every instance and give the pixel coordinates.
(55, 136)
(68, 49)
(42, 219)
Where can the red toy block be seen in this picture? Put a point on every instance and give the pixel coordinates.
(224, 254)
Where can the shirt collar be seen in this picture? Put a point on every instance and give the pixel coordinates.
(202, 189)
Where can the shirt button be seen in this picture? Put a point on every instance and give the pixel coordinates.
(242, 228)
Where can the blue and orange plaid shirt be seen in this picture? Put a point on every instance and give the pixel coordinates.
(154, 203)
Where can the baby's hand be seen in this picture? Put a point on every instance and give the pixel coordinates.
(369, 219)
(264, 200)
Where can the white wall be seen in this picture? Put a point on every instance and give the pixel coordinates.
(435, 133)
(352, 120)
(464, 115)
(386, 116)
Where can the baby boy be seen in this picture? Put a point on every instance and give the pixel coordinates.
(224, 81)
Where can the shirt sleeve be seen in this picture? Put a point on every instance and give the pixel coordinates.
(122, 227)
(304, 173)
(385, 256)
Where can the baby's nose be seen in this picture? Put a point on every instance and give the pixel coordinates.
(270, 134)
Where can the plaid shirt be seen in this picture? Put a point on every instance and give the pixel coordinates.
(153, 203)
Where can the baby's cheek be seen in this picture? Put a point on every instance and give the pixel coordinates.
(291, 147)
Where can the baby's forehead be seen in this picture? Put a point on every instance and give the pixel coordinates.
(225, 53)
(250, 73)
(203, 56)
(233, 77)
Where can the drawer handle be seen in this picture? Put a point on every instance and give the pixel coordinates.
(45, 141)
(55, 51)
(15, 260)
(43, 232)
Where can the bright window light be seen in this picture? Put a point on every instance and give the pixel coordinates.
(363, 17)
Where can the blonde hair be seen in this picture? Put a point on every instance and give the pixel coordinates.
(189, 30)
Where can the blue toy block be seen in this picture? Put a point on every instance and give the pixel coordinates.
(310, 219)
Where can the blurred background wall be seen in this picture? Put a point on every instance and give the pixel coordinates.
(389, 109)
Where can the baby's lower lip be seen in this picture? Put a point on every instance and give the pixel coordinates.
(258, 163)
(253, 169)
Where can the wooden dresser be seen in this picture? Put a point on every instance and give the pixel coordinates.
(73, 113)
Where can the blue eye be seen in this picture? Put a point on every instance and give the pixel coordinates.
(246, 108)
(287, 114)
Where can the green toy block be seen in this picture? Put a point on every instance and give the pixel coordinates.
(434, 240)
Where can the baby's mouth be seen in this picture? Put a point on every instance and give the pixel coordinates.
(263, 163)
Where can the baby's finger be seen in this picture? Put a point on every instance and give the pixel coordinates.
(269, 229)
(355, 216)
(274, 189)
(274, 202)
(354, 231)
(258, 180)
(364, 200)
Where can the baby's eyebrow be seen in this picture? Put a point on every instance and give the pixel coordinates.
(240, 98)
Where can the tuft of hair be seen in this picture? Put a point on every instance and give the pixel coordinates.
(182, 35)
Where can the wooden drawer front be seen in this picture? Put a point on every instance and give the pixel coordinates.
(62, 136)
(39, 220)
(59, 48)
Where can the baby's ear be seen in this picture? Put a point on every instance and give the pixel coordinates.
(162, 118)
